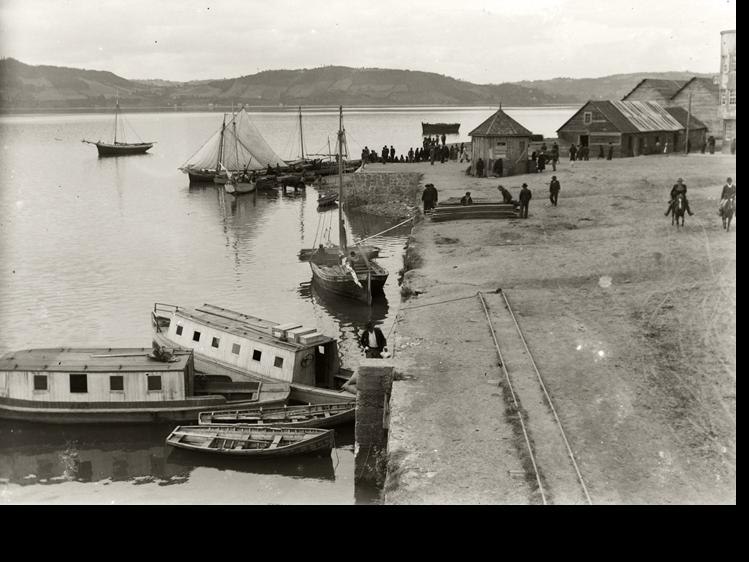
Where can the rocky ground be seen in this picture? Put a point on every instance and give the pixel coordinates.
(631, 321)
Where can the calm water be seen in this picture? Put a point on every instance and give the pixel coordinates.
(87, 245)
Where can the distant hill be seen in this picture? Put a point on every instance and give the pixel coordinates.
(24, 86)
(613, 87)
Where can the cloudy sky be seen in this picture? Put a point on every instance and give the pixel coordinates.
(487, 41)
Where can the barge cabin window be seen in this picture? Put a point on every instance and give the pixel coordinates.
(235, 348)
(116, 383)
(78, 384)
(179, 330)
(154, 382)
(278, 362)
(196, 336)
(256, 354)
(40, 382)
(215, 342)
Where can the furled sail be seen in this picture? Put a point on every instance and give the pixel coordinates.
(238, 146)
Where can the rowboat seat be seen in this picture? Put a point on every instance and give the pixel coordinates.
(276, 441)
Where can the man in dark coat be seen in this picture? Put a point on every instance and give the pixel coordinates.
(573, 152)
(466, 199)
(384, 154)
(480, 168)
(541, 161)
(429, 197)
(554, 156)
(679, 187)
(411, 154)
(554, 188)
(373, 341)
(729, 192)
(392, 153)
(525, 199)
(711, 144)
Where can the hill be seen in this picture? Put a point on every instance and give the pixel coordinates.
(614, 87)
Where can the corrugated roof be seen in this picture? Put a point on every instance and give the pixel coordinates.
(90, 360)
(680, 114)
(666, 88)
(647, 116)
(707, 83)
(500, 125)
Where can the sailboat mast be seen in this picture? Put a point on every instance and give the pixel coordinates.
(221, 145)
(116, 113)
(301, 134)
(341, 228)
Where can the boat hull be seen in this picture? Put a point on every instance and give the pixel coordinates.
(122, 149)
(239, 440)
(201, 177)
(182, 411)
(344, 285)
(321, 416)
(239, 188)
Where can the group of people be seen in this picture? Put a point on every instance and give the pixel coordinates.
(430, 151)
(582, 152)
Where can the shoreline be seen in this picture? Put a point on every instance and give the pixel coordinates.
(622, 314)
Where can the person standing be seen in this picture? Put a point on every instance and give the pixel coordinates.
(733, 145)
(429, 197)
(443, 139)
(384, 154)
(541, 161)
(392, 153)
(480, 168)
(432, 154)
(554, 188)
(525, 199)
(611, 152)
(411, 154)
(554, 156)
(665, 148)
(373, 341)
(601, 155)
(573, 152)
(364, 155)
(711, 144)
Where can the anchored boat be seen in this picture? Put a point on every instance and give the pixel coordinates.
(248, 348)
(248, 441)
(312, 415)
(119, 385)
(119, 148)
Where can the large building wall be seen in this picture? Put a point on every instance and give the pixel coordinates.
(646, 92)
(704, 106)
(728, 85)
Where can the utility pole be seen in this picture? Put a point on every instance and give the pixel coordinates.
(689, 118)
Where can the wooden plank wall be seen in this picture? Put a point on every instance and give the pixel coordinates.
(704, 106)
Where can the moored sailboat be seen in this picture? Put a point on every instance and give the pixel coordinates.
(119, 148)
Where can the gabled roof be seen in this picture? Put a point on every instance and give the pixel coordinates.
(706, 83)
(680, 114)
(632, 116)
(666, 88)
(500, 125)
(91, 360)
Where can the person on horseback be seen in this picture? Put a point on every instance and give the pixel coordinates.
(678, 188)
(729, 192)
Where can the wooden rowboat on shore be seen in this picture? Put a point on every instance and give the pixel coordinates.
(322, 416)
(251, 441)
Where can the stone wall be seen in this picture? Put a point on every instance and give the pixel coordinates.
(392, 194)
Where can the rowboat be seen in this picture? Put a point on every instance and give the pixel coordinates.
(249, 441)
(313, 415)
(327, 199)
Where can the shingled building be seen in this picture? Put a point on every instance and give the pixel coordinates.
(500, 137)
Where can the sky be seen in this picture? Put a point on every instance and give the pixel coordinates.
(489, 41)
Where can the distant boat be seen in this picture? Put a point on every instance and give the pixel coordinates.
(312, 415)
(236, 147)
(327, 199)
(250, 441)
(118, 148)
(439, 128)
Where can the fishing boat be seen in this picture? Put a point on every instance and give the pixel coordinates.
(306, 253)
(250, 441)
(119, 385)
(118, 147)
(439, 128)
(327, 199)
(237, 147)
(248, 348)
(322, 416)
(350, 273)
(240, 184)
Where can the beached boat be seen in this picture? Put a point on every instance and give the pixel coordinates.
(249, 441)
(313, 415)
(248, 348)
(236, 146)
(128, 385)
(327, 199)
(439, 128)
(119, 148)
(350, 273)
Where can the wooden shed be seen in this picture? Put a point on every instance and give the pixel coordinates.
(630, 128)
(705, 95)
(500, 137)
(652, 89)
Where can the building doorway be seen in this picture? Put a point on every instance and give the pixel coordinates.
(584, 140)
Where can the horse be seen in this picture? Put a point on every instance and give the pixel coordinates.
(678, 208)
(727, 211)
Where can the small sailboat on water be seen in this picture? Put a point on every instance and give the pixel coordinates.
(119, 147)
(348, 272)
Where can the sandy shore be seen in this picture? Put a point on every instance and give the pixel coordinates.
(631, 323)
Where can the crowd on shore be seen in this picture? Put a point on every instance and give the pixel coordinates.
(432, 150)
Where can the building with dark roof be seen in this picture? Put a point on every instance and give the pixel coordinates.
(500, 137)
(630, 128)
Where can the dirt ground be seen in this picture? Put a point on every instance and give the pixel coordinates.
(631, 321)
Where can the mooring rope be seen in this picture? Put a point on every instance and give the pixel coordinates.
(387, 230)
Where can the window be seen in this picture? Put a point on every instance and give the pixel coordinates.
(723, 97)
(78, 383)
(215, 342)
(154, 382)
(587, 117)
(256, 354)
(732, 66)
(278, 362)
(40, 382)
(321, 349)
(179, 330)
(725, 63)
(236, 348)
(196, 336)
(116, 383)
(732, 97)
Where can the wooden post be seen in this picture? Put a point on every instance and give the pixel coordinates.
(689, 118)
(373, 386)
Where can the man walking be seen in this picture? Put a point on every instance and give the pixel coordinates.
(525, 199)
(554, 188)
